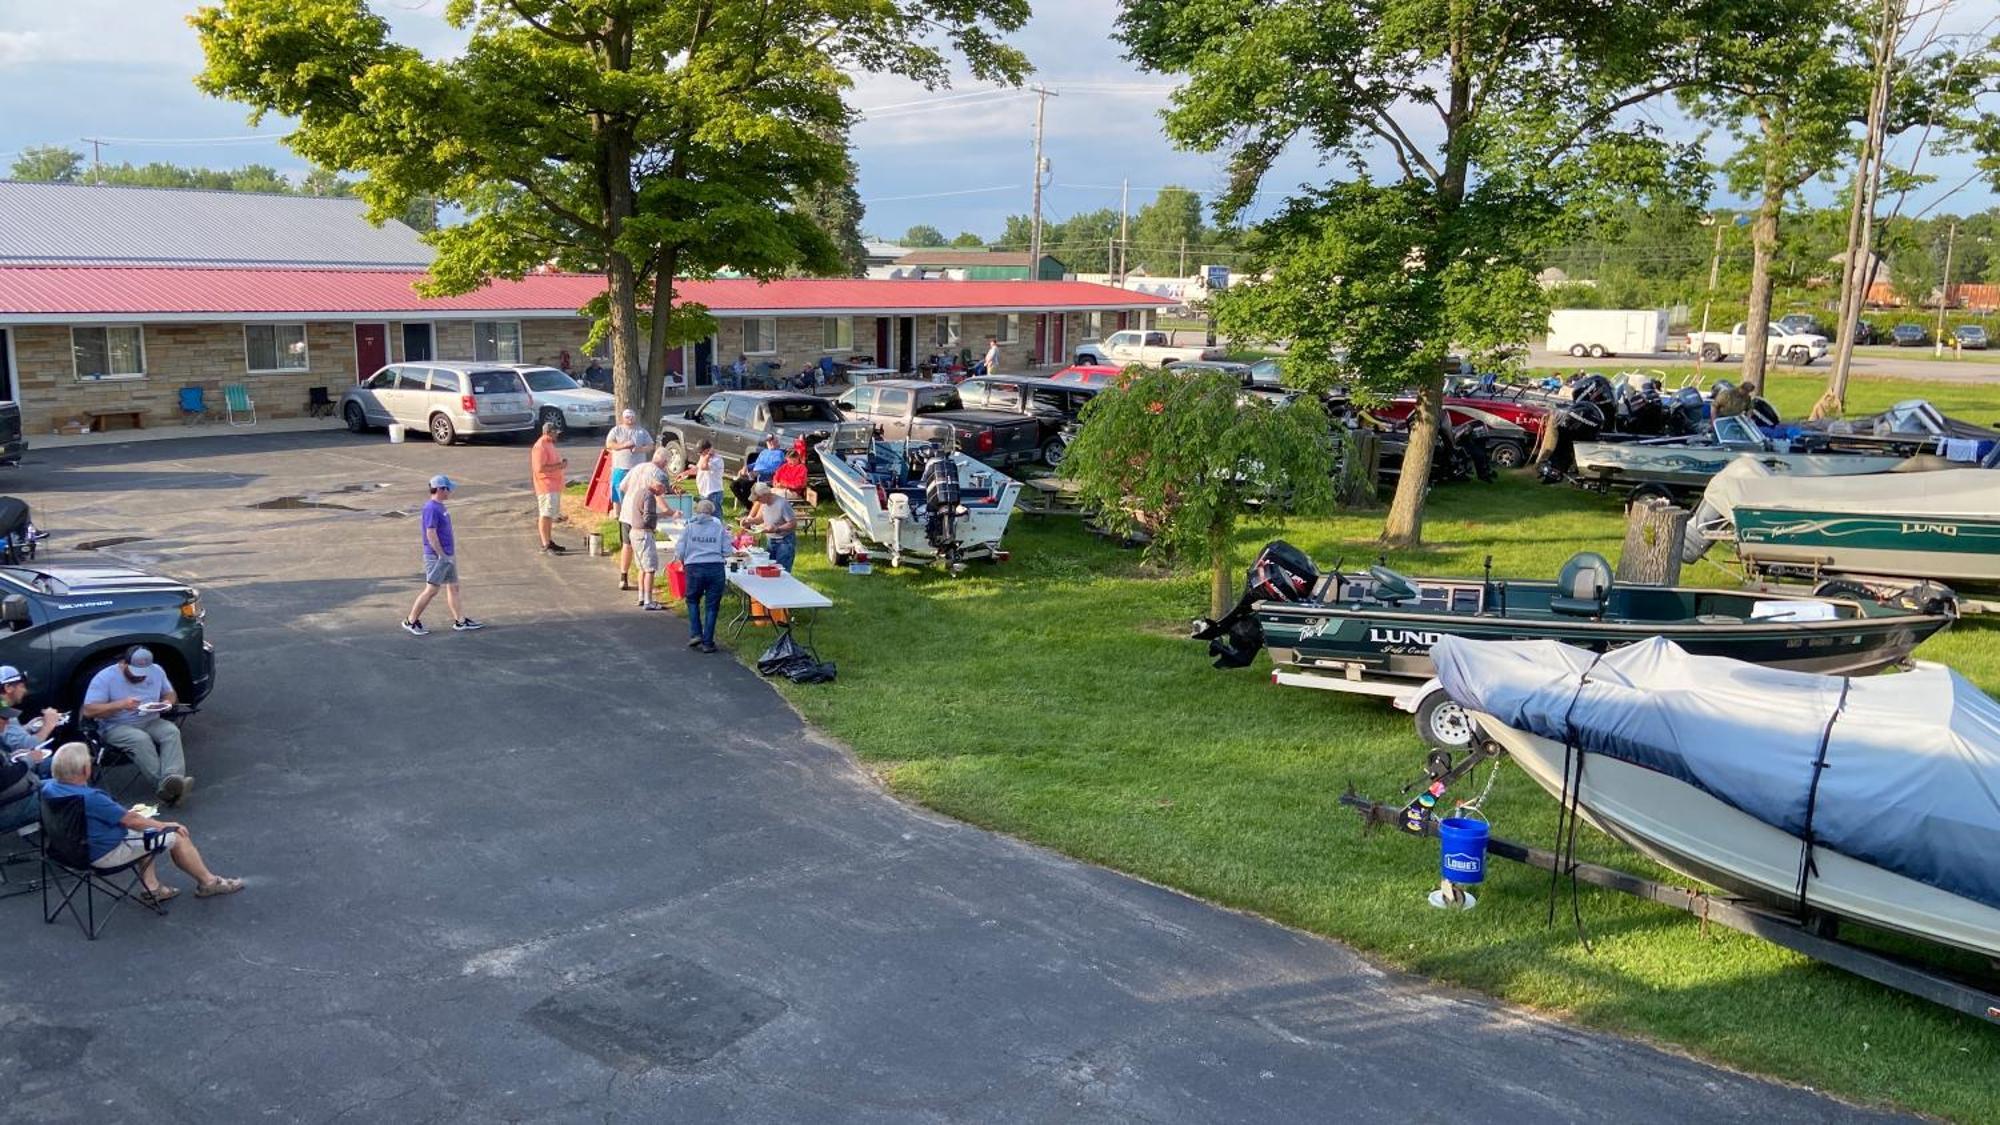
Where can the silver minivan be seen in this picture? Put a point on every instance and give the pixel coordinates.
(449, 400)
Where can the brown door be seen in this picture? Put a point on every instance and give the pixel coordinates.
(883, 356)
(1122, 318)
(371, 349)
(1041, 354)
(1057, 353)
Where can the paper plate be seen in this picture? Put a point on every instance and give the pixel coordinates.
(156, 708)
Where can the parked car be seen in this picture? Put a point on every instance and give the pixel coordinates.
(1909, 336)
(1804, 324)
(1090, 375)
(449, 400)
(566, 402)
(1865, 332)
(1795, 347)
(1151, 348)
(61, 624)
(1052, 405)
(1970, 336)
(737, 422)
(905, 410)
(1267, 372)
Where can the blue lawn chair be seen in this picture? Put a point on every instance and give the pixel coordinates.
(193, 408)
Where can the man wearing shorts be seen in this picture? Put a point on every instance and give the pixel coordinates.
(440, 564)
(547, 465)
(640, 514)
(116, 835)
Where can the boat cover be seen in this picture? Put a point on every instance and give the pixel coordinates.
(1912, 776)
(1942, 494)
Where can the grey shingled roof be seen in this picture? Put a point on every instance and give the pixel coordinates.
(77, 224)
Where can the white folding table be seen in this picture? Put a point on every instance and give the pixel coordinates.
(781, 592)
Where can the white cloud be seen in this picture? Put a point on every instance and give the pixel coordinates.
(97, 31)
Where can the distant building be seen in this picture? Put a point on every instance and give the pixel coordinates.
(979, 265)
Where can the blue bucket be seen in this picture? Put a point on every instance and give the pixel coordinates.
(1462, 849)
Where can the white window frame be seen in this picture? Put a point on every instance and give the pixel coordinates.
(830, 326)
(950, 330)
(1009, 329)
(107, 329)
(278, 351)
(478, 333)
(772, 339)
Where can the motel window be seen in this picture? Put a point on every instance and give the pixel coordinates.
(274, 347)
(760, 335)
(109, 352)
(1010, 328)
(949, 331)
(496, 341)
(836, 333)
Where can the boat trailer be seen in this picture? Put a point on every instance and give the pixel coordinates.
(1815, 936)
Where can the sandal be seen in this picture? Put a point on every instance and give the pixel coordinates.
(218, 887)
(159, 897)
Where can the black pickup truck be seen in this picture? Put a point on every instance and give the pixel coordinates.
(60, 624)
(12, 443)
(1054, 406)
(905, 409)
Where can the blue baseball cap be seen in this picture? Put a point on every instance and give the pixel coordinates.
(441, 481)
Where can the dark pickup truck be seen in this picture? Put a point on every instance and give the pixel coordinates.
(12, 443)
(60, 624)
(1054, 406)
(905, 409)
(737, 422)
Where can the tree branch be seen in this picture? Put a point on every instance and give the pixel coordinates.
(1605, 114)
(1408, 145)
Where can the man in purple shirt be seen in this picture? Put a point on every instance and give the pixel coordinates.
(440, 563)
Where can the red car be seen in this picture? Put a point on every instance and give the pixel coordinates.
(1089, 375)
(1513, 427)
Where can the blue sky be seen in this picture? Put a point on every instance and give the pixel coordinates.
(121, 69)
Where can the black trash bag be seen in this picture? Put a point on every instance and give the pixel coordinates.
(783, 653)
(810, 671)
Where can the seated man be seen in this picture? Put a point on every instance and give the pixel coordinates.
(768, 460)
(16, 740)
(118, 835)
(18, 782)
(114, 699)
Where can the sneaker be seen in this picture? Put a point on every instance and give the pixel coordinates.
(554, 549)
(653, 607)
(625, 583)
(707, 646)
(172, 788)
(416, 629)
(694, 642)
(468, 625)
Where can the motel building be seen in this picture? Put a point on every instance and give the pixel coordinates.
(114, 299)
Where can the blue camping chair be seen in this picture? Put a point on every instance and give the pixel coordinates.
(193, 408)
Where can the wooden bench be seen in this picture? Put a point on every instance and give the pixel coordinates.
(98, 417)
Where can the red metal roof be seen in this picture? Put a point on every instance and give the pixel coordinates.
(56, 291)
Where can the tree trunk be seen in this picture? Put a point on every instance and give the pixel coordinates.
(622, 297)
(1859, 274)
(1405, 526)
(1763, 247)
(1222, 576)
(656, 352)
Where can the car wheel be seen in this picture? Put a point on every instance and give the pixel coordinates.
(1711, 352)
(442, 430)
(1801, 356)
(1506, 453)
(1597, 351)
(676, 458)
(1578, 350)
(356, 418)
(553, 417)
(1442, 723)
(1052, 453)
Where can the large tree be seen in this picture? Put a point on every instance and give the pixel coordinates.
(923, 235)
(48, 164)
(649, 140)
(1461, 136)
(835, 208)
(1164, 228)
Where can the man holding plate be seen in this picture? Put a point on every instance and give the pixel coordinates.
(130, 700)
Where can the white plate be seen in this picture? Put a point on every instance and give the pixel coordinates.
(156, 708)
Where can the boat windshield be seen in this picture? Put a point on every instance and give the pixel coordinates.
(1915, 416)
(1736, 430)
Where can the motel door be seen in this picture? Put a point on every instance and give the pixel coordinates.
(1057, 353)
(371, 349)
(7, 383)
(884, 355)
(1041, 354)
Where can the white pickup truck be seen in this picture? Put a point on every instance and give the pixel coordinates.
(1144, 348)
(1795, 347)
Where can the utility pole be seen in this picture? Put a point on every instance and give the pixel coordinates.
(1944, 290)
(1042, 96)
(1124, 247)
(96, 159)
(1183, 269)
(1714, 275)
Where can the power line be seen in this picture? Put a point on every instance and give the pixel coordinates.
(941, 194)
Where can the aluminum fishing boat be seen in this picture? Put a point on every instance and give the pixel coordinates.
(1678, 464)
(883, 506)
(1942, 526)
(1870, 801)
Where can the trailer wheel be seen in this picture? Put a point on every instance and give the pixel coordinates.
(1597, 351)
(1649, 492)
(1711, 353)
(1506, 453)
(1442, 723)
(839, 545)
(1578, 350)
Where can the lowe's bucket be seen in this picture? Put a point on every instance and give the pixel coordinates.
(1462, 849)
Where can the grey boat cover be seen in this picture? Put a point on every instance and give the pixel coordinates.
(1911, 782)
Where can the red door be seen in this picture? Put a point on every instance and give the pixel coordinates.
(1057, 353)
(371, 349)
(1041, 337)
(1122, 317)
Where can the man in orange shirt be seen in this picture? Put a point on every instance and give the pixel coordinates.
(547, 466)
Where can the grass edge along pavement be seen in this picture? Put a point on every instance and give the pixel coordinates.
(1052, 698)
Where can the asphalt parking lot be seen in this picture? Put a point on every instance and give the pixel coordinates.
(565, 868)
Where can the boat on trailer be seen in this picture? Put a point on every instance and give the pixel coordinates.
(1676, 465)
(1372, 633)
(883, 506)
(1868, 801)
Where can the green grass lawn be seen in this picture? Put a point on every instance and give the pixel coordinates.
(1053, 697)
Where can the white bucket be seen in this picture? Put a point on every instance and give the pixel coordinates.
(395, 433)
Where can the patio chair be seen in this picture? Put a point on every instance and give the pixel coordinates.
(66, 869)
(24, 847)
(237, 398)
(194, 408)
(319, 403)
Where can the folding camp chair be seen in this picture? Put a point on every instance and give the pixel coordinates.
(23, 845)
(194, 407)
(66, 870)
(319, 403)
(236, 397)
(106, 758)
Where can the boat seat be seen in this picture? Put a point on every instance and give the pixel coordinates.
(1583, 586)
(1390, 587)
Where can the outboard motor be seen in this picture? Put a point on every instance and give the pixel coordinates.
(1281, 573)
(1688, 414)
